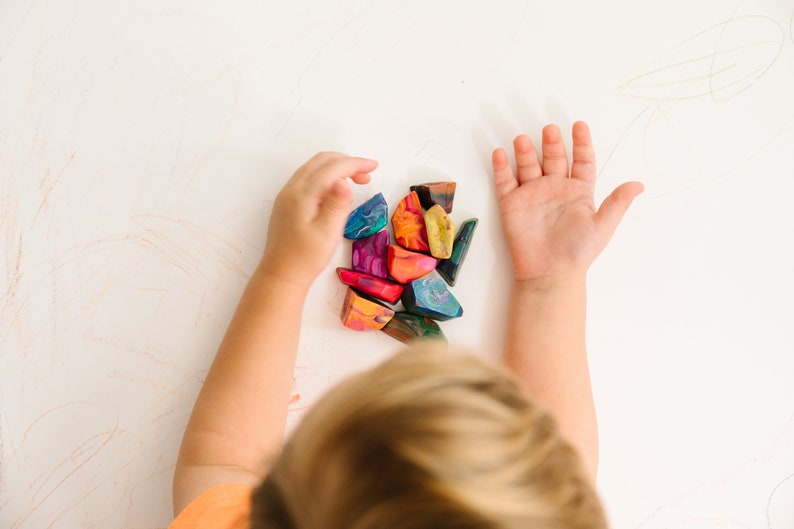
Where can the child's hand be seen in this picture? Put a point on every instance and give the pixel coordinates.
(309, 216)
(550, 222)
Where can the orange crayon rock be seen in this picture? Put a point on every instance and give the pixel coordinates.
(440, 232)
(361, 314)
(409, 224)
(405, 265)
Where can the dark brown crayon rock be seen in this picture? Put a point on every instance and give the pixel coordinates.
(432, 193)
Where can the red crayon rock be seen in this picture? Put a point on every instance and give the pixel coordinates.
(405, 265)
(371, 285)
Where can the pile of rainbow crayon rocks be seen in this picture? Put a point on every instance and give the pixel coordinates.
(384, 274)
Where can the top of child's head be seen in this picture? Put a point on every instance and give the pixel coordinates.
(433, 437)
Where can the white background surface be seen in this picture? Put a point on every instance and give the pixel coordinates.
(142, 144)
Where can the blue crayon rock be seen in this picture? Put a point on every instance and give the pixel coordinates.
(367, 219)
(449, 268)
(430, 297)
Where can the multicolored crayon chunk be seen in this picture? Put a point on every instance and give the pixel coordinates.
(405, 265)
(407, 327)
(370, 254)
(361, 314)
(408, 223)
(440, 232)
(430, 297)
(367, 219)
(371, 285)
(450, 268)
(432, 193)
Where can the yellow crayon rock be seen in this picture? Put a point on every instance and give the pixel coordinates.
(440, 232)
(361, 314)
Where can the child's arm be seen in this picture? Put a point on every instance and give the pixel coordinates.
(554, 233)
(239, 418)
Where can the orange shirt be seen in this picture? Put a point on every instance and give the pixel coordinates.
(226, 506)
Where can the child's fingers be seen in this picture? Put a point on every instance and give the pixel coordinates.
(361, 178)
(527, 161)
(504, 179)
(312, 164)
(615, 205)
(555, 160)
(338, 168)
(329, 185)
(584, 164)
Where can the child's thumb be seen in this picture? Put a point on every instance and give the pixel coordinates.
(336, 202)
(615, 205)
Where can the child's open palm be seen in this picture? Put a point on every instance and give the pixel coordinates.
(549, 218)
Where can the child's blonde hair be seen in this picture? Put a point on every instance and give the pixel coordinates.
(427, 439)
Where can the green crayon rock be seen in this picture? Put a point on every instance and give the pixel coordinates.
(408, 327)
(450, 268)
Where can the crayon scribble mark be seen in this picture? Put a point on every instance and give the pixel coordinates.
(779, 505)
(72, 459)
(743, 49)
(704, 76)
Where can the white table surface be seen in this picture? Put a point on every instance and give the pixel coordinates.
(142, 144)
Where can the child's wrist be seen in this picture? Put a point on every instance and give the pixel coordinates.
(294, 277)
(551, 283)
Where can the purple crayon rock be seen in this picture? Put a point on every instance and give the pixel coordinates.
(430, 297)
(370, 254)
(370, 217)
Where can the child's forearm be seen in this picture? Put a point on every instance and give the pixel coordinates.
(545, 347)
(239, 417)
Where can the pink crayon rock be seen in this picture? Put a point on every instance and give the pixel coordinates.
(371, 285)
(440, 232)
(405, 265)
(370, 254)
(409, 224)
(361, 314)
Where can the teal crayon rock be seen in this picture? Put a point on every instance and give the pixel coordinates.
(450, 268)
(408, 327)
(367, 219)
(430, 297)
